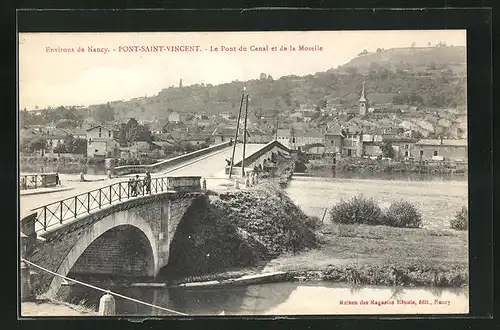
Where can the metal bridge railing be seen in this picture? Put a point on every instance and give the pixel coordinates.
(30, 181)
(70, 208)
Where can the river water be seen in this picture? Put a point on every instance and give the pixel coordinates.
(437, 197)
(288, 298)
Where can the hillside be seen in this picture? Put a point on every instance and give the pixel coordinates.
(418, 59)
(429, 77)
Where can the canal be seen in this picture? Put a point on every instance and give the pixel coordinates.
(287, 298)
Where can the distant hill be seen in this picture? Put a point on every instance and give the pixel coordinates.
(417, 59)
(429, 77)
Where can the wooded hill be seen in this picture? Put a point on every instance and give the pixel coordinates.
(425, 76)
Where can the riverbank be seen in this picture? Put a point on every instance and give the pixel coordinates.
(360, 165)
(369, 255)
(51, 307)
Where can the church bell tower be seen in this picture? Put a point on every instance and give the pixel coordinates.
(363, 102)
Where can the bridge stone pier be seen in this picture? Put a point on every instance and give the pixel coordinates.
(131, 238)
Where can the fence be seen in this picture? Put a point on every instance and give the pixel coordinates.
(34, 181)
(70, 208)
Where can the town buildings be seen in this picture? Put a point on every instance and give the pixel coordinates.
(442, 149)
(102, 141)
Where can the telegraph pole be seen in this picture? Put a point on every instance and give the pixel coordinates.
(236, 134)
(244, 139)
(276, 135)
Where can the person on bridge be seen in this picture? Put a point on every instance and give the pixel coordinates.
(138, 185)
(228, 162)
(131, 187)
(58, 182)
(147, 182)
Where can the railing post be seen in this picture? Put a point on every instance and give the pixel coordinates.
(45, 218)
(110, 194)
(61, 213)
(88, 202)
(100, 190)
(119, 191)
(76, 200)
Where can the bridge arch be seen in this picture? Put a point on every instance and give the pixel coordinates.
(93, 233)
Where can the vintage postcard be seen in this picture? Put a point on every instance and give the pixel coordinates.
(243, 173)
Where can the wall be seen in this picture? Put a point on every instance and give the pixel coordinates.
(458, 153)
(333, 143)
(96, 148)
(128, 169)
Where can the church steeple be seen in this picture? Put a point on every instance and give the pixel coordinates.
(363, 102)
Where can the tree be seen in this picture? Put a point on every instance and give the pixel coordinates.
(104, 113)
(364, 52)
(387, 150)
(37, 143)
(132, 132)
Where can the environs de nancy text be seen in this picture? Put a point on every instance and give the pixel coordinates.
(184, 48)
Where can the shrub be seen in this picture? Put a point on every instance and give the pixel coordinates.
(358, 210)
(461, 220)
(403, 214)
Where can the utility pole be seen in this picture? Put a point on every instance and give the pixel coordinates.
(236, 134)
(276, 135)
(244, 139)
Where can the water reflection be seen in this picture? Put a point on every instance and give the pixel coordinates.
(63, 168)
(290, 298)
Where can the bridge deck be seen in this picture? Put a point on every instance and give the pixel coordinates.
(208, 166)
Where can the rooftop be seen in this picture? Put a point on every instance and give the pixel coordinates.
(445, 142)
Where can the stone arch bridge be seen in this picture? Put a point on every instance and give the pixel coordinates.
(108, 231)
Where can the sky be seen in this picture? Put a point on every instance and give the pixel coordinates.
(52, 78)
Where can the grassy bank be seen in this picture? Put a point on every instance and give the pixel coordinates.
(377, 255)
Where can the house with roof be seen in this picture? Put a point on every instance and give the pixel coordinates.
(442, 149)
(176, 117)
(257, 135)
(284, 136)
(102, 141)
(403, 146)
(352, 145)
(333, 140)
(54, 138)
(225, 134)
(300, 138)
(77, 133)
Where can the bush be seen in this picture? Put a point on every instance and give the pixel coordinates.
(357, 210)
(461, 220)
(403, 214)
